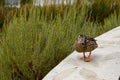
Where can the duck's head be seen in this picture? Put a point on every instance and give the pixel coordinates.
(81, 39)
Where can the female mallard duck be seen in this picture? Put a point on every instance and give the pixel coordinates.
(85, 44)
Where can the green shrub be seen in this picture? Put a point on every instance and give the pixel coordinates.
(99, 10)
(6, 14)
(30, 47)
(1, 2)
(23, 2)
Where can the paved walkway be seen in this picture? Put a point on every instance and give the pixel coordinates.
(105, 63)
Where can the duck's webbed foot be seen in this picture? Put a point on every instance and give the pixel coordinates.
(86, 59)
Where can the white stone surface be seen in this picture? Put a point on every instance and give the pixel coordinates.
(105, 63)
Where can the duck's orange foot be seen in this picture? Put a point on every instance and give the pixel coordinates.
(87, 59)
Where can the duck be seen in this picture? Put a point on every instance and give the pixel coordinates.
(85, 44)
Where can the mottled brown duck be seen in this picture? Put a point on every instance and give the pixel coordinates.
(85, 44)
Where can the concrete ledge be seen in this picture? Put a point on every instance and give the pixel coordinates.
(105, 63)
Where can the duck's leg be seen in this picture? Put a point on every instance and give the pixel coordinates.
(84, 55)
(89, 54)
(87, 59)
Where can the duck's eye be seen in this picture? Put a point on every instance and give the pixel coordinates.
(82, 43)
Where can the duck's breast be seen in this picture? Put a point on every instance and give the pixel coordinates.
(79, 47)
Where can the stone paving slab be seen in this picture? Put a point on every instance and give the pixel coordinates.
(105, 63)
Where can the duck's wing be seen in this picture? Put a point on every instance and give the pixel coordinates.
(91, 44)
